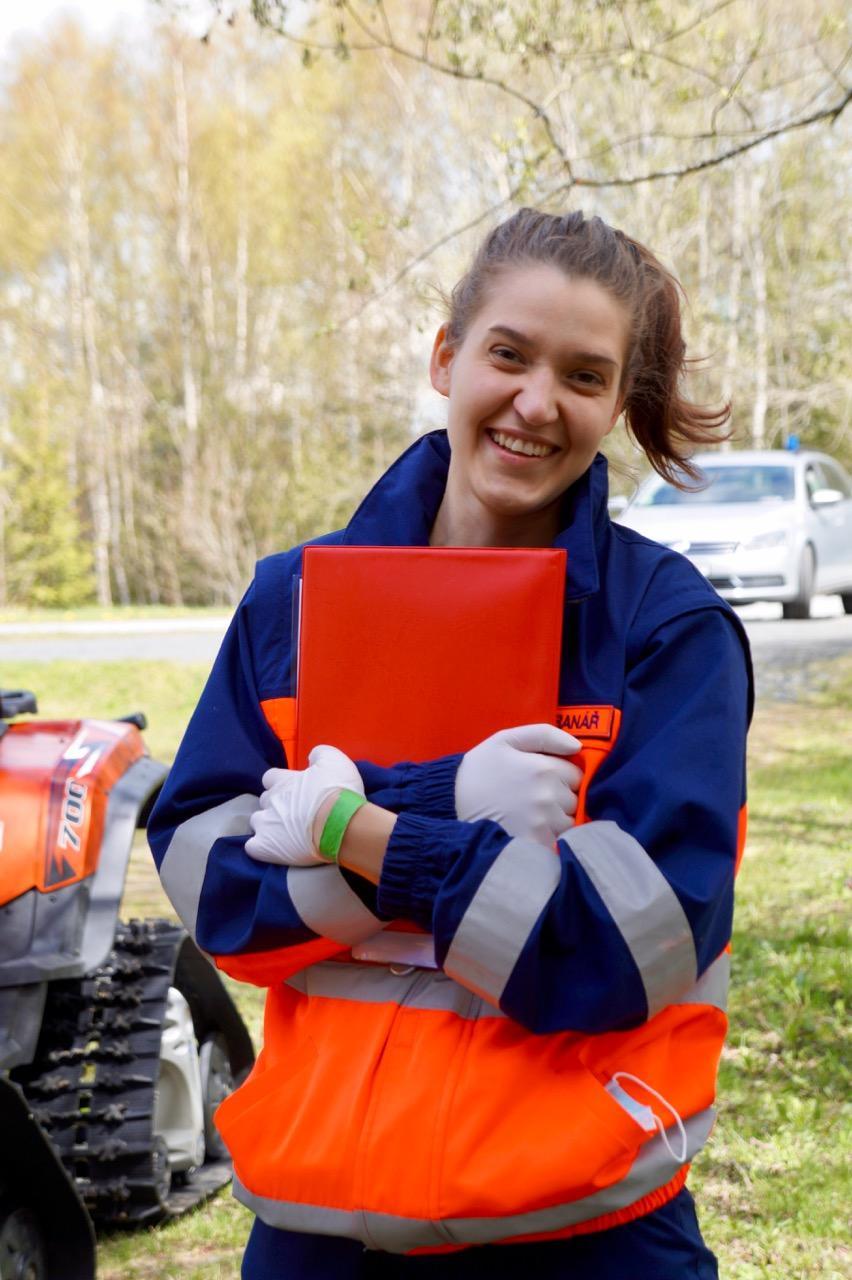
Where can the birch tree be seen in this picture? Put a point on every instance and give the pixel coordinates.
(221, 261)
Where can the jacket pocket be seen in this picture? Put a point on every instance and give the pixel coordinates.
(530, 1126)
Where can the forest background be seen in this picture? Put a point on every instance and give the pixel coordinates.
(221, 259)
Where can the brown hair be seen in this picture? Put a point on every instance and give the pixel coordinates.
(661, 420)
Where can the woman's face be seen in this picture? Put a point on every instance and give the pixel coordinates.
(533, 389)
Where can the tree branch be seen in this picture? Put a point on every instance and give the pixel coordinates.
(828, 113)
(539, 111)
(429, 25)
(479, 77)
(426, 253)
(697, 22)
(424, 59)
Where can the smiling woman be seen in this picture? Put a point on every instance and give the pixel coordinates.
(497, 980)
(529, 404)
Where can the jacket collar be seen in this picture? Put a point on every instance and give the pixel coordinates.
(401, 507)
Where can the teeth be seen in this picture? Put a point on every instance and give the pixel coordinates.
(521, 446)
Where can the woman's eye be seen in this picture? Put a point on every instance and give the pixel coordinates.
(588, 377)
(506, 353)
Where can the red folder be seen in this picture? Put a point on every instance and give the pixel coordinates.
(408, 653)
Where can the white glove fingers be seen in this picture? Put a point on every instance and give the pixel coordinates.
(280, 797)
(560, 792)
(567, 801)
(272, 776)
(259, 845)
(569, 775)
(260, 853)
(283, 823)
(337, 767)
(559, 822)
(323, 754)
(550, 825)
(563, 771)
(520, 778)
(541, 737)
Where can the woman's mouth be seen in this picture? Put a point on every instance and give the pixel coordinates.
(515, 445)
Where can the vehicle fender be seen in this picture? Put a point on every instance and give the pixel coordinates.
(130, 801)
(70, 931)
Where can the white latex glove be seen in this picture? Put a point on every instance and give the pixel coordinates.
(283, 826)
(519, 778)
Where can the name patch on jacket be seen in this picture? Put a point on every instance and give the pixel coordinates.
(587, 722)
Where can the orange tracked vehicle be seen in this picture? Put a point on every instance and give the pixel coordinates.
(117, 1040)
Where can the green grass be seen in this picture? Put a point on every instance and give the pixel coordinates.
(166, 692)
(773, 1185)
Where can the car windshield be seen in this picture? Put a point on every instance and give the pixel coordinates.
(725, 485)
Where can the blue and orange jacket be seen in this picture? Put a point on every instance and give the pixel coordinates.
(577, 1010)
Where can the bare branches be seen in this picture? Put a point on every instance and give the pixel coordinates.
(697, 22)
(563, 188)
(829, 113)
(283, 211)
(535, 108)
(427, 35)
(474, 55)
(559, 190)
(390, 284)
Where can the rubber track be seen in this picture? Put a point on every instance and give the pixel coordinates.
(93, 1080)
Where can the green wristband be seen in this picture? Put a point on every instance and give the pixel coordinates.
(345, 806)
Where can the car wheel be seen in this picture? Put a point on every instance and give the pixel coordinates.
(22, 1251)
(179, 1105)
(217, 1081)
(846, 597)
(800, 607)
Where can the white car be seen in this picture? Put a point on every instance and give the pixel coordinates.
(768, 525)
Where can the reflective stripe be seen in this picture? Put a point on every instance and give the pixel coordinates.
(501, 915)
(327, 905)
(653, 1167)
(643, 905)
(376, 984)
(428, 989)
(712, 987)
(184, 866)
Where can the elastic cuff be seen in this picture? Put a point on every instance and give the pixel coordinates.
(433, 788)
(411, 875)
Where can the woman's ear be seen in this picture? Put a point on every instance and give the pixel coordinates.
(440, 361)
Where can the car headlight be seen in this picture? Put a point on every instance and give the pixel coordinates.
(772, 538)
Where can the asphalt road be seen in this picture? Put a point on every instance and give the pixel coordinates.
(785, 653)
(788, 655)
(167, 640)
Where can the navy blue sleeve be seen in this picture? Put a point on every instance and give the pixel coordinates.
(427, 788)
(638, 903)
(233, 905)
(258, 920)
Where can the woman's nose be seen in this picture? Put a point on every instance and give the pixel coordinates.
(535, 401)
